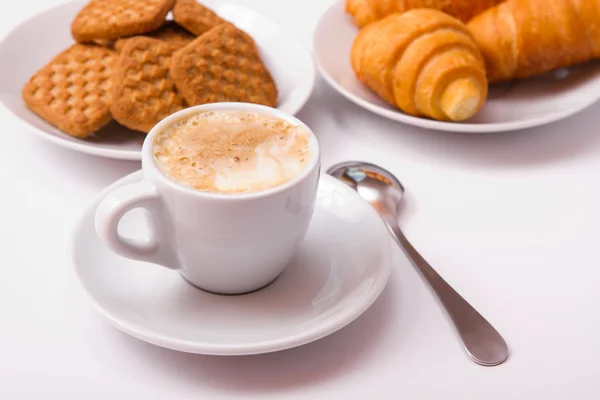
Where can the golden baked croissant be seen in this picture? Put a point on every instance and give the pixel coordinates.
(424, 62)
(522, 38)
(367, 11)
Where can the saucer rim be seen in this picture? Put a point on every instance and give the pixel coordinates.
(442, 126)
(307, 86)
(326, 328)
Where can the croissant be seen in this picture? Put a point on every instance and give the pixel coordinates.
(424, 62)
(522, 38)
(367, 11)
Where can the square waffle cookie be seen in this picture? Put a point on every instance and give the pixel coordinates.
(143, 92)
(170, 32)
(195, 17)
(73, 91)
(112, 19)
(223, 65)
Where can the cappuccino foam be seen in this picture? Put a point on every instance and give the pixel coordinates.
(232, 151)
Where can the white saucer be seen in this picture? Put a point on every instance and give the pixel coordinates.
(341, 269)
(36, 41)
(517, 105)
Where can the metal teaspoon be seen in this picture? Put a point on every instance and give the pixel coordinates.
(384, 192)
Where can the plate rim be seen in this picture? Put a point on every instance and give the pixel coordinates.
(459, 127)
(322, 330)
(135, 155)
(115, 154)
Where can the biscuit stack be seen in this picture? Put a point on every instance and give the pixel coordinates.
(131, 65)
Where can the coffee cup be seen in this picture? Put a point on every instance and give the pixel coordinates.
(219, 242)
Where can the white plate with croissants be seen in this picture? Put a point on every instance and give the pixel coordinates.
(95, 76)
(473, 66)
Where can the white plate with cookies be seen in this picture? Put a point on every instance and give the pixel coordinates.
(101, 96)
(510, 105)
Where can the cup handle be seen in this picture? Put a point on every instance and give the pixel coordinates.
(115, 204)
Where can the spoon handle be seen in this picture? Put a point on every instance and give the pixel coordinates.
(482, 342)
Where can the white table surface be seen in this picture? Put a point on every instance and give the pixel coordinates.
(510, 220)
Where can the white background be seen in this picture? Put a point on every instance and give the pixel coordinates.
(510, 220)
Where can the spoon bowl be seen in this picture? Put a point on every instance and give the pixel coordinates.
(354, 172)
(374, 184)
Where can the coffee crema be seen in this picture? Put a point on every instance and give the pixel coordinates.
(232, 151)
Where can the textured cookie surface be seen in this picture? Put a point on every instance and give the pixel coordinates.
(169, 32)
(112, 19)
(105, 43)
(73, 91)
(144, 94)
(223, 65)
(195, 17)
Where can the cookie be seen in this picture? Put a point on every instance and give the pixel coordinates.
(143, 92)
(168, 32)
(73, 91)
(195, 17)
(223, 65)
(112, 19)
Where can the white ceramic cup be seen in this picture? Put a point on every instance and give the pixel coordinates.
(222, 243)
